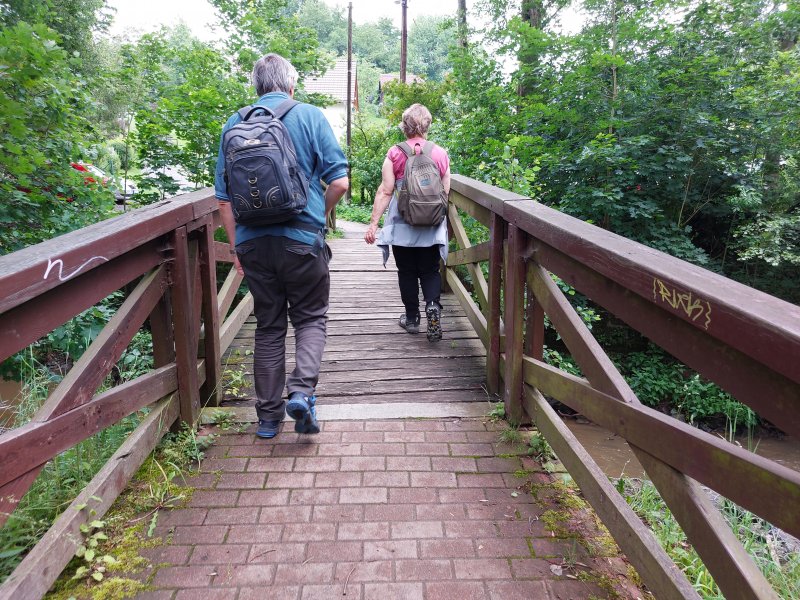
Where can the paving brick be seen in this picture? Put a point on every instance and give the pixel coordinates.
(363, 463)
(470, 529)
(440, 512)
(335, 513)
(530, 568)
(472, 449)
(308, 532)
(372, 571)
(359, 437)
(465, 425)
(482, 568)
(326, 592)
(200, 534)
(481, 437)
(206, 498)
(389, 512)
(156, 595)
(462, 495)
(417, 530)
(503, 548)
(210, 594)
(232, 516)
(454, 464)
(386, 478)
(504, 495)
(424, 426)
(204, 481)
(304, 450)
(433, 479)
(342, 426)
(346, 479)
(273, 464)
(456, 591)
(226, 465)
(170, 555)
(393, 591)
(390, 550)
(408, 463)
(383, 449)
(282, 592)
(447, 549)
(217, 451)
(339, 551)
(423, 570)
(277, 553)
(314, 573)
(384, 426)
(555, 547)
(413, 495)
(241, 481)
(520, 590)
(349, 449)
(403, 436)
(263, 497)
(285, 514)
(314, 496)
(324, 437)
(290, 480)
(363, 495)
(427, 449)
(223, 554)
(522, 528)
(182, 516)
(183, 577)
(364, 531)
(447, 437)
(257, 451)
(244, 575)
(321, 464)
(481, 480)
(254, 534)
(498, 465)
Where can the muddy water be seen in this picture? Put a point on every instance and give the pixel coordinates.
(615, 458)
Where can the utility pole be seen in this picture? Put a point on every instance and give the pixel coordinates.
(462, 23)
(349, 86)
(403, 46)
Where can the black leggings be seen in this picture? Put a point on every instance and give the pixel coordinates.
(417, 265)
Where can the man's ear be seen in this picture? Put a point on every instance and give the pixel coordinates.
(291, 92)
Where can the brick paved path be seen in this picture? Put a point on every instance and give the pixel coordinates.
(373, 510)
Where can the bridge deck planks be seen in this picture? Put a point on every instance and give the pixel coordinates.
(368, 357)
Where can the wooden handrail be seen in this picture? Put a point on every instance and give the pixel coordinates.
(744, 340)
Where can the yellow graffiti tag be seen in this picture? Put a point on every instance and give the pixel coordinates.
(693, 306)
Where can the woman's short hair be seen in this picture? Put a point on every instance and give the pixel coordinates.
(416, 121)
(273, 73)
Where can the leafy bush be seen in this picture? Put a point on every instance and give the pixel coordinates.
(371, 141)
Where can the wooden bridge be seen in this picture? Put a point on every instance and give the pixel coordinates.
(165, 257)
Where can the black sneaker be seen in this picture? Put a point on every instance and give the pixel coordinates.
(410, 325)
(433, 312)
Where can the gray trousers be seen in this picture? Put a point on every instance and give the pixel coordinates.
(286, 276)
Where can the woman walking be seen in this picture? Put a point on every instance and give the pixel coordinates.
(416, 248)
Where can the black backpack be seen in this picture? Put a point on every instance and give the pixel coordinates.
(421, 199)
(264, 182)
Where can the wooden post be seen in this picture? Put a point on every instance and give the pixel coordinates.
(496, 237)
(515, 323)
(534, 322)
(185, 349)
(211, 393)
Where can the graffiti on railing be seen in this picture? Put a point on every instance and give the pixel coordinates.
(60, 264)
(687, 302)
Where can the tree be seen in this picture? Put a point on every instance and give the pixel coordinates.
(430, 41)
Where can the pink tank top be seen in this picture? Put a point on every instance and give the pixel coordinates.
(398, 157)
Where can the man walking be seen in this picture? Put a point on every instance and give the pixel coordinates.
(286, 264)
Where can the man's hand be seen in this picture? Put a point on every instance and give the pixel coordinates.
(237, 265)
(369, 236)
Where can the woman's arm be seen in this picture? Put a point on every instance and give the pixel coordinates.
(382, 198)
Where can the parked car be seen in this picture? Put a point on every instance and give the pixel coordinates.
(122, 191)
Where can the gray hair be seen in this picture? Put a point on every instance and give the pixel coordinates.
(273, 73)
(416, 121)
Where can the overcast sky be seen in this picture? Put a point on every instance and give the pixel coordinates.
(148, 15)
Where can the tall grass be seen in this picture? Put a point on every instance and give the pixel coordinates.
(775, 553)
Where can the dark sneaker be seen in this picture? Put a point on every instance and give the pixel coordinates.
(267, 429)
(410, 325)
(303, 410)
(433, 312)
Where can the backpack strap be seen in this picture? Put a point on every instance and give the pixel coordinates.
(427, 148)
(407, 150)
(283, 108)
(247, 112)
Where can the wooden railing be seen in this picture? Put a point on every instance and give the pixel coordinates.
(167, 253)
(746, 341)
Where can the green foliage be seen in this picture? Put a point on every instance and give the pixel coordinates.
(399, 96)
(43, 127)
(371, 141)
(353, 212)
(498, 412)
(539, 448)
(430, 40)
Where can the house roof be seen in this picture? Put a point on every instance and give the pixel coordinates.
(410, 78)
(334, 82)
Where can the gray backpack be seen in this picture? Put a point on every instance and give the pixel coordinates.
(265, 184)
(421, 199)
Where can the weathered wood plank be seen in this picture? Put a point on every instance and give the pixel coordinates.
(515, 310)
(476, 211)
(475, 272)
(234, 322)
(185, 343)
